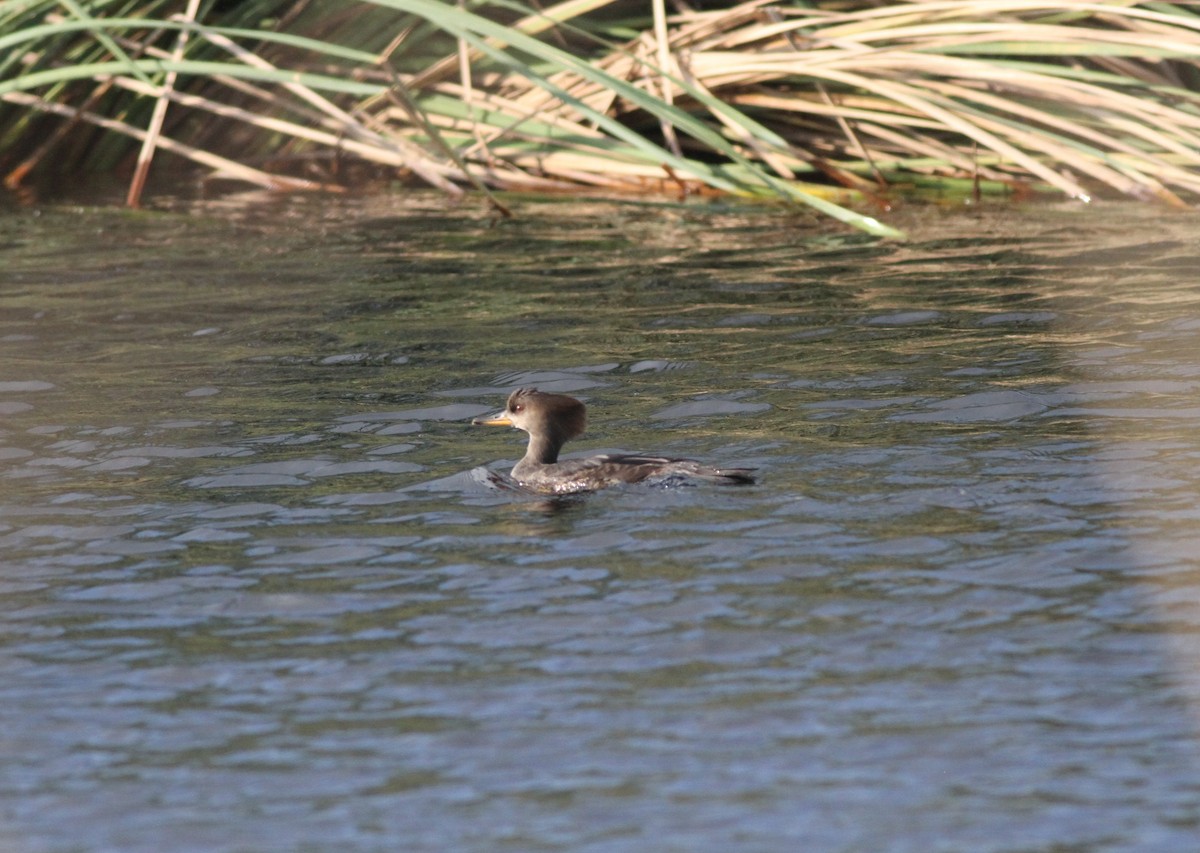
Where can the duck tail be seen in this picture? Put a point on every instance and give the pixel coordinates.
(730, 476)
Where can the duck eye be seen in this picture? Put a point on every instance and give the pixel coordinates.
(518, 408)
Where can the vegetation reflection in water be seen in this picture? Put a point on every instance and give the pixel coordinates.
(258, 585)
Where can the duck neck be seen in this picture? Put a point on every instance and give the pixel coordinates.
(543, 449)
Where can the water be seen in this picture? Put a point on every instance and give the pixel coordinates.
(259, 593)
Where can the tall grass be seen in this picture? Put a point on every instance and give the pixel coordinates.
(825, 104)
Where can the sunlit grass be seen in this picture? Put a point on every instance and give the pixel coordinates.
(831, 106)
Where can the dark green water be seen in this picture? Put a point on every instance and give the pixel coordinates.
(259, 595)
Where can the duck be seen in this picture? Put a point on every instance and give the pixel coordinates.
(554, 419)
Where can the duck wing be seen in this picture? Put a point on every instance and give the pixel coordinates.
(636, 467)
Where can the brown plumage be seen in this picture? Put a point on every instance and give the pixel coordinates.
(553, 419)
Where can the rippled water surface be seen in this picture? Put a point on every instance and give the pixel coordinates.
(259, 592)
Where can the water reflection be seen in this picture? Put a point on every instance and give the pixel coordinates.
(263, 580)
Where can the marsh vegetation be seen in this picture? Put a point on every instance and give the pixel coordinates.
(844, 106)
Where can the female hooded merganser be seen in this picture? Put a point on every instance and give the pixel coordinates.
(553, 419)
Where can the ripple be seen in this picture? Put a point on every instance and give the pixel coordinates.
(905, 318)
(25, 386)
(708, 408)
(981, 406)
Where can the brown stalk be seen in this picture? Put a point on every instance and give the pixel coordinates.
(146, 155)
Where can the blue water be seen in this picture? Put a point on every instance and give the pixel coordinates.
(261, 592)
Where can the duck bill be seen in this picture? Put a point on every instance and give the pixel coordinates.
(498, 419)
